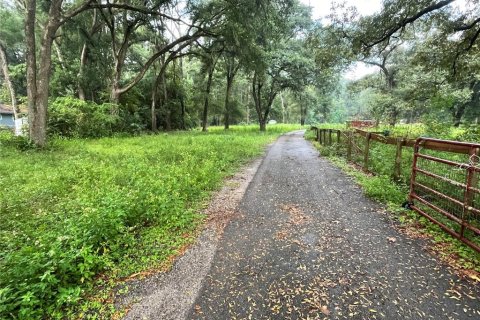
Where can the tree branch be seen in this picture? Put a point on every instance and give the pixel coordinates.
(465, 27)
(75, 11)
(128, 7)
(460, 52)
(404, 22)
(188, 39)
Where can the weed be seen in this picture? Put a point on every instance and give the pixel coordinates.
(111, 206)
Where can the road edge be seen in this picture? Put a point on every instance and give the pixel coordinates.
(171, 295)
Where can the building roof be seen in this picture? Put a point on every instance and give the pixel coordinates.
(6, 109)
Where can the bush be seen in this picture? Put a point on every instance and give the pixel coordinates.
(71, 117)
(470, 133)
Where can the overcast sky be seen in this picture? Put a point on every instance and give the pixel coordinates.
(321, 9)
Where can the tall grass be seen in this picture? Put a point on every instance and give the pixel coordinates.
(108, 206)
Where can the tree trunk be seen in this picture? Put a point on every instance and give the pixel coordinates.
(38, 125)
(153, 110)
(211, 69)
(59, 54)
(227, 102)
(120, 56)
(81, 72)
(257, 98)
(182, 98)
(8, 82)
(183, 125)
(31, 61)
(248, 108)
(168, 112)
(38, 75)
(284, 111)
(458, 111)
(263, 125)
(393, 116)
(262, 106)
(159, 80)
(84, 58)
(303, 113)
(232, 69)
(458, 114)
(115, 92)
(38, 80)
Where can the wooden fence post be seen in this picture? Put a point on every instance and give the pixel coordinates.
(366, 152)
(317, 132)
(472, 182)
(329, 137)
(349, 145)
(338, 141)
(397, 170)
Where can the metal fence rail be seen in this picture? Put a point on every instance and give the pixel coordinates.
(444, 186)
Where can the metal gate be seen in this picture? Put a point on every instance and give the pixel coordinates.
(445, 188)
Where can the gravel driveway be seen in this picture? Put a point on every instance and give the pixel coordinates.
(310, 245)
(304, 243)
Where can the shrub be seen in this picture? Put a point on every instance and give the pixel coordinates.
(470, 133)
(71, 117)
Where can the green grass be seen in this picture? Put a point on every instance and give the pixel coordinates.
(109, 207)
(412, 131)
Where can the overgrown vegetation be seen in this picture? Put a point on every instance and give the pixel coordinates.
(70, 117)
(381, 187)
(112, 206)
(92, 69)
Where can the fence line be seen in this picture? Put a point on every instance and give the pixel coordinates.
(348, 141)
(444, 183)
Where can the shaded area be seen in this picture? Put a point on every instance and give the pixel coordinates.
(309, 245)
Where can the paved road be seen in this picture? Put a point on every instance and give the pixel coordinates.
(309, 245)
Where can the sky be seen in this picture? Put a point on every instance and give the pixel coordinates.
(321, 9)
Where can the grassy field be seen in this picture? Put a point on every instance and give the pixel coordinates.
(86, 212)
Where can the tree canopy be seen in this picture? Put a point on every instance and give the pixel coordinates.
(179, 64)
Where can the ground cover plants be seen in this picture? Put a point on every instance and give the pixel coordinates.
(379, 185)
(82, 211)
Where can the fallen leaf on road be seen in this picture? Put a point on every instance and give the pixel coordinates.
(473, 275)
(325, 310)
(198, 309)
(392, 239)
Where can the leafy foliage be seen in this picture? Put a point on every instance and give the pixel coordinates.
(113, 206)
(70, 117)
